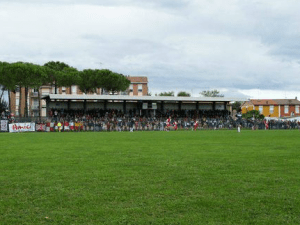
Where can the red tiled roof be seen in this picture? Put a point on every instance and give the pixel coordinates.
(138, 79)
(263, 102)
(275, 102)
(287, 101)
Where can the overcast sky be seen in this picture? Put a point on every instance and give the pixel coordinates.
(240, 47)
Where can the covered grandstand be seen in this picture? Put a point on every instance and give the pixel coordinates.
(144, 105)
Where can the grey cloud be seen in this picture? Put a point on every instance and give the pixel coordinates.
(153, 3)
(215, 44)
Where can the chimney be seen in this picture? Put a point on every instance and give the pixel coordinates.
(296, 97)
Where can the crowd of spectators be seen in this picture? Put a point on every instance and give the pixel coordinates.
(113, 119)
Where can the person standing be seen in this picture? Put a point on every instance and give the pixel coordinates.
(59, 126)
(239, 128)
(196, 125)
(175, 126)
(168, 123)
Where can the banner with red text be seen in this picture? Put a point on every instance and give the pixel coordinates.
(21, 127)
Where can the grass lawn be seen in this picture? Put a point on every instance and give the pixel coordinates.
(203, 177)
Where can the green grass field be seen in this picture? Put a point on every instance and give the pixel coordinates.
(203, 177)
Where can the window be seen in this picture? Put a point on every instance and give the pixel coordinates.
(35, 102)
(140, 88)
(74, 89)
(131, 88)
(271, 109)
(296, 108)
(260, 109)
(286, 109)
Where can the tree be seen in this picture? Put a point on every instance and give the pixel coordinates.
(3, 106)
(212, 93)
(24, 76)
(114, 82)
(183, 94)
(170, 93)
(237, 106)
(87, 81)
(253, 113)
(68, 77)
(54, 70)
(7, 80)
(18, 74)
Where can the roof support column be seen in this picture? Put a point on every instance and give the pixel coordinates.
(197, 106)
(84, 106)
(124, 107)
(179, 105)
(214, 106)
(47, 106)
(162, 106)
(69, 103)
(105, 104)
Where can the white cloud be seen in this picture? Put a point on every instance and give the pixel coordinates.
(184, 45)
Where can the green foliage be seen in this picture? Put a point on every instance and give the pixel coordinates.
(55, 73)
(205, 177)
(237, 106)
(90, 79)
(212, 93)
(116, 82)
(68, 76)
(59, 74)
(170, 93)
(183, 94)
(87, 81)
(254, 113)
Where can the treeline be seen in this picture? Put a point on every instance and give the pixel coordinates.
(18, 75)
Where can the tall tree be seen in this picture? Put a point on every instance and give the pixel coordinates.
(54, 72)
(212, 93)
(7, 80)
(116, 82)
(40, 78)
(183, 94)
(170, 93)
(87, 81)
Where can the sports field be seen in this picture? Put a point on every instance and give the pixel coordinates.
(203, 177)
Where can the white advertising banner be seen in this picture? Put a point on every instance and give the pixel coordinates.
(4, 125)
(21, 127)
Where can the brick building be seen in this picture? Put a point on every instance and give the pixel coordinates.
(273, 107)
(138, 86)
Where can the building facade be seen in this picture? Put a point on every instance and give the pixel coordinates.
(273, 107)
(138, 86)
(37, 106)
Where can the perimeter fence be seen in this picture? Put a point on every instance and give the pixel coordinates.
(56, 124)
